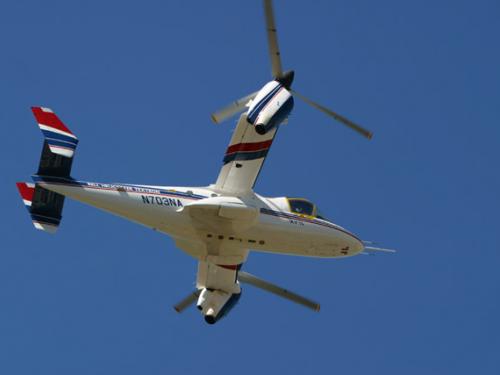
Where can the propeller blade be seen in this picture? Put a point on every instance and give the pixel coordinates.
(232, 109)
(272, 39)
(364, 132)
(248, 278)
(186, 302)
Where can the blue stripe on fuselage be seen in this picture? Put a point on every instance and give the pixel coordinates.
(252, 116)
(141, 189)
(289, 215)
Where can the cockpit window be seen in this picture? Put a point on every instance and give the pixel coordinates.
(301, 206)
(304, 207)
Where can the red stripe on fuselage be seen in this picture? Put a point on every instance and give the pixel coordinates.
(49, 119)
(247, 147)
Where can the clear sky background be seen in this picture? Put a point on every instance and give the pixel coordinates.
(136, 81)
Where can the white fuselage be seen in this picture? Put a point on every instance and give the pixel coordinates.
(251, 222)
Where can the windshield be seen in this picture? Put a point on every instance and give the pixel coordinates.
(301, 206)
(304, 207)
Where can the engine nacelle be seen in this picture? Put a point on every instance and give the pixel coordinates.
(215, 304)
(271, 107)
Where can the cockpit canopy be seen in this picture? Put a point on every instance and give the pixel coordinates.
(304, 207)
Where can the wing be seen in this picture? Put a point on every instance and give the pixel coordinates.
(244, 158)
(215, 227)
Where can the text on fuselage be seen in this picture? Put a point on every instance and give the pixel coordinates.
(161, 201)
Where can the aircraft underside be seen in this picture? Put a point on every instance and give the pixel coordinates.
(215, 229)
(219, 224)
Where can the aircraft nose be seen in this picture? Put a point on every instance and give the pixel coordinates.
(357, 245)
(352, 245)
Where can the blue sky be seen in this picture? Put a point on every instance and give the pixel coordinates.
(137, 82)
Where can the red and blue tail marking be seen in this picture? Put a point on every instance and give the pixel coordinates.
(43, 216)
(247, 151)
(57, 135)
(45, 206)
(27, 190)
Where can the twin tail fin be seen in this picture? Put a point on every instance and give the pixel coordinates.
(45, 206)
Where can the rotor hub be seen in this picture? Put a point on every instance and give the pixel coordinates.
(286, 79)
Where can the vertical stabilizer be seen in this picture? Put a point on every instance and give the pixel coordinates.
(44, 206)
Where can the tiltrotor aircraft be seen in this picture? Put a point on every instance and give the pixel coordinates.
(217, 224)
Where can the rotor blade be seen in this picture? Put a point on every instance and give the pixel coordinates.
(232, 109)
(186, 302)
(272, 39)
(366, 133)
(248, 278)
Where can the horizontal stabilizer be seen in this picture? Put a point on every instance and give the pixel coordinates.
(57, 135)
